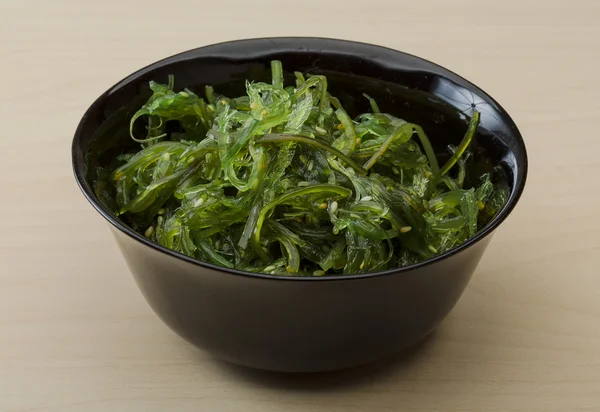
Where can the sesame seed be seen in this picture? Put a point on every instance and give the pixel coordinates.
(149, 231)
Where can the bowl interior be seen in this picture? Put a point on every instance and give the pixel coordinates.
(403, 85)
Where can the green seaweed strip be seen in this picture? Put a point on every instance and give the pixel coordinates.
(279, 138)
(277, 74)
(471, 129)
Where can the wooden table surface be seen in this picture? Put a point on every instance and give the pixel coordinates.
(76, 334)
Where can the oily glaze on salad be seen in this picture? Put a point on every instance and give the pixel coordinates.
(282, 180)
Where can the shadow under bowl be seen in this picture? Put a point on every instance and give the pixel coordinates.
(299, 324)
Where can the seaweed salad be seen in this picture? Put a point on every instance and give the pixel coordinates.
(282, 180)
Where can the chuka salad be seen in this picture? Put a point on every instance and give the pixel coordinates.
(283, 181)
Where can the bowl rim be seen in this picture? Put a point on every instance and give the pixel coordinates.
(520, 177)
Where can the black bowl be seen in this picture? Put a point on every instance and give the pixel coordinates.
(302, 324)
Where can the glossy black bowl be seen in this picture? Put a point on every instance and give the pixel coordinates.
(302, 324)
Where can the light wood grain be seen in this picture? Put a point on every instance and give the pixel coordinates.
(75, 333)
